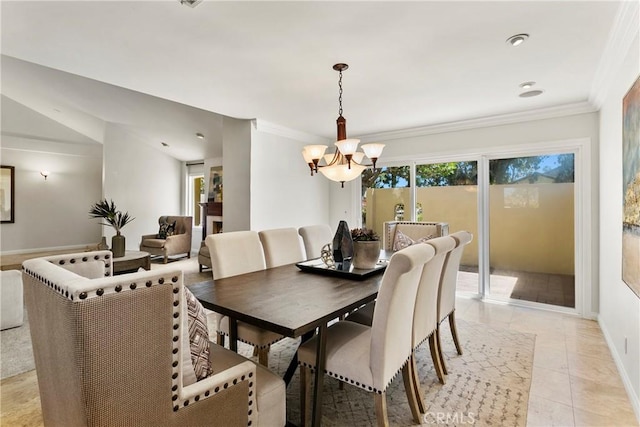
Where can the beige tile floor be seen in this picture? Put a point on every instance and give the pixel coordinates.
(575, 381)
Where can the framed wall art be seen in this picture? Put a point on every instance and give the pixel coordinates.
(631, 187)
(7, 194)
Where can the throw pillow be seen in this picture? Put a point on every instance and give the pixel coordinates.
(198, 336)
(402, 241)
(166, 230)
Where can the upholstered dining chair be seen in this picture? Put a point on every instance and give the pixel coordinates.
(400, 234)
(116, 350)
(281, 246)
(447, 293)
(234, 253)
(176, 242)
(314, 238)
(369, 357)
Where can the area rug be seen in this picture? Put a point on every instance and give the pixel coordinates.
(487, 386)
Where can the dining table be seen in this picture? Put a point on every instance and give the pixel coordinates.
(290, 302)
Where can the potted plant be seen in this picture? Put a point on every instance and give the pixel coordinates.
(116, 219)
(366, 248)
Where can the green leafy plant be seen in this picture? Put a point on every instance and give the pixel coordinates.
(363, 235)
(110, 214)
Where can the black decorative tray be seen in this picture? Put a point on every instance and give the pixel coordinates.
(345, 270)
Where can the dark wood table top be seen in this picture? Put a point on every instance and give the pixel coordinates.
(284, 299)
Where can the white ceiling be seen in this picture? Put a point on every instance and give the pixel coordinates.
(411, 64)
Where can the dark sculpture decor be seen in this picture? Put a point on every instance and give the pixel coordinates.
(343, 245)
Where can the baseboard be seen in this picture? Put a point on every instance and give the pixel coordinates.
(635, 400)
(81, 248)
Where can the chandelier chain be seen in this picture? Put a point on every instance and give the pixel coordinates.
(340, 94)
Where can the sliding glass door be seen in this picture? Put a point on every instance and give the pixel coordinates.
(531, 229)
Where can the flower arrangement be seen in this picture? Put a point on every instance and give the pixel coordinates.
(111, 215)
(364, 235)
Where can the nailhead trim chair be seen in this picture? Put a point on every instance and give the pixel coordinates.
(235, 253)
(447, 293)
(414, 230)
(371, 357)
(108, 351)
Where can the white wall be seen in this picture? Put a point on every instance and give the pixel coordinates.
(236, 174)
(619, 306)
(140, 180)
(53, 213)
(283, 193)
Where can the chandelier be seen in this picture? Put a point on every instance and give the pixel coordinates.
(345, 164)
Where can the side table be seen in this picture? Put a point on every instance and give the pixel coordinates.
(131, 262)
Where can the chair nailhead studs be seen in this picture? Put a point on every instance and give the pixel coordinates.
(250, 384)
(174, 279)
(118, 288)
(175, 339)
(161, 280)
(250, 412)
(175, 375)
(242, 378)
(100, 292)
(176, 315)
(83, 295)
(175, 409)
(148, 284)
(174, 351)
(174, 388)
(175, 364)
(176, 327)
(250, 393)
(175, 303)
(196, 398)
(107, 256)
(72, 261)
(176, 290)
(217, 389)
(226, 385)
(96, 257)
(84, 259)
(174, 397)
(186, 403)
(207, 393)
(107, 265)
(133, 286)
(61, 262)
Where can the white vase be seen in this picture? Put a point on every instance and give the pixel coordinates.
(366, 254)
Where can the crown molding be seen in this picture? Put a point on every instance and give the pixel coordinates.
(624, 30)
(498, 120)
(274, 129)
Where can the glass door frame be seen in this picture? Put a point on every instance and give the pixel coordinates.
(584, 267)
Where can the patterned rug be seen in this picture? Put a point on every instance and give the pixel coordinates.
(487, 386)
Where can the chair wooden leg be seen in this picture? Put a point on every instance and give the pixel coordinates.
(410, 389)
(166, 259)
(442, 362)
(454, 331)
(220, 338)
(381, 409)
(200, 268)
(305, 395)
(263, 357)
(415, 379)
(433, 346)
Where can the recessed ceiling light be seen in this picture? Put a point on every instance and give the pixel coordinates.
(199, 135)
(164, 144)
(518, 39)
(527, 85)
(530, 93)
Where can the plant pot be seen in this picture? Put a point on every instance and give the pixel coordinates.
(366, 254)
(118, 245)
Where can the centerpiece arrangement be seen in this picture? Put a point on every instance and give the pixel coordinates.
(366, 248)
(112, 216)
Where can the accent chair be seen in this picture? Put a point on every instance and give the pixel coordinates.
(178, 242)
(115, 350)
(399, 234)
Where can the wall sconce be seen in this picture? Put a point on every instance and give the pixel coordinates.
(45, 174)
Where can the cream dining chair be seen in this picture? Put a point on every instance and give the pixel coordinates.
(232, 254)
(369, 357)
(281, 246)
(315, 237)
(447, 293)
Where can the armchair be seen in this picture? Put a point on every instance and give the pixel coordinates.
(395, 230)
(178, 243)
(110, 350)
